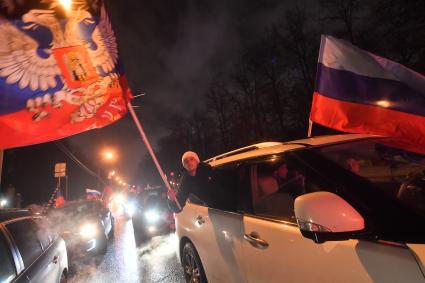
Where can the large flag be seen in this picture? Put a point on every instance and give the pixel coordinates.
(59, 71)
(359, 92)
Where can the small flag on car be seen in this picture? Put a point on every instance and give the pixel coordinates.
(92, 194)
(59, 200)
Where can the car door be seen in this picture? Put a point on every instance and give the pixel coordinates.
(274, 249)
(9, 263)
(40, 266)
(216, 232)
(52, 252)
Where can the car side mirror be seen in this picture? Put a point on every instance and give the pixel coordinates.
(324, 216)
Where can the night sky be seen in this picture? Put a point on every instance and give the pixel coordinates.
(171, 51)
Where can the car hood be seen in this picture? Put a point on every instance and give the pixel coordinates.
(418, 251)
(73, 223)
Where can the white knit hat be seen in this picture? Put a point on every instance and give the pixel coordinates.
(190, 154)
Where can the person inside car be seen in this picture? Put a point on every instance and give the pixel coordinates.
(271, 201)
(200, 180)
(289, 181)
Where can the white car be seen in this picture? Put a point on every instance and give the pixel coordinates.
(350, 208)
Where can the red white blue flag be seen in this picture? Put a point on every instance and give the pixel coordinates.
(359, 92)
(59, 71)
(59, 200)
(92, 194)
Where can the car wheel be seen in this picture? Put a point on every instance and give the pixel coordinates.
(63, 278)
(192, 265)
(103, 240)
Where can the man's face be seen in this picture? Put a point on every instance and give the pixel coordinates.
(282, 171)
(354, 165)
(190, 164)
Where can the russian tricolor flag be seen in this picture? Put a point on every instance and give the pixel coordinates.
(359, 92)
(92, 194)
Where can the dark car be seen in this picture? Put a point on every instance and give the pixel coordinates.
(152, 217)
(30, 250)
(85, 225)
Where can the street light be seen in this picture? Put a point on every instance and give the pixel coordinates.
(106, 155)
(67, 4)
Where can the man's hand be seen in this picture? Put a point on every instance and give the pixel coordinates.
(171, 194)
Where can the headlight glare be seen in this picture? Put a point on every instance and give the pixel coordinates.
(151, 216)
(130, 208)
(88, 230)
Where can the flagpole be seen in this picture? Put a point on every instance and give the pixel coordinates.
(146, 141)
(310, 128)
(1, 163)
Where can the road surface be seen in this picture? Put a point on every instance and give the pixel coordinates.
(153, 261)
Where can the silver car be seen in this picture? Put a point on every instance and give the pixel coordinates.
(30, 251)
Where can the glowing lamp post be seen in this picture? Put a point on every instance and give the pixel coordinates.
(107, 156)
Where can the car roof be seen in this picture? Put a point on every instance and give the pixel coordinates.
(8, 214)
(270, 148)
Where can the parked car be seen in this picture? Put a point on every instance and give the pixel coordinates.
(30, 250)
(350, 208)
(86, 226)
(152, 217)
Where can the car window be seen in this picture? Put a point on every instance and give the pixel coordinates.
(24, 234)
(44, 232)
(195, 200)
(396, 173)
(276, 182)
(227, 183)
(7, 265)
(383, 181)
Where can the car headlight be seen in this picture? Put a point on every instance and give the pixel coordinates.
(152, 216)
(130, 208)
(88, 230)
(3, 202)
(119, 199)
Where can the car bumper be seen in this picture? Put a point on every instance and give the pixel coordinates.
(79, 247)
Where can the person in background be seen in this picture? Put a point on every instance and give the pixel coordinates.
(353, 165)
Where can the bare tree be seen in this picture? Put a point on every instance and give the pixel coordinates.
(218, 102)
(343, 13)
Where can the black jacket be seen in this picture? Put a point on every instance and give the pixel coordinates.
(207, 185)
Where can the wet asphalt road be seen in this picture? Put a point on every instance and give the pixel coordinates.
(124, 261)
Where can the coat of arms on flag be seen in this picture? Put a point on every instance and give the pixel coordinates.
(59, 71)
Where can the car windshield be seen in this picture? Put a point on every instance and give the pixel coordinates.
(74, 210)
(389, 180)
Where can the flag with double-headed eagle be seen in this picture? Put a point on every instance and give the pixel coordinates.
(59, 70)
